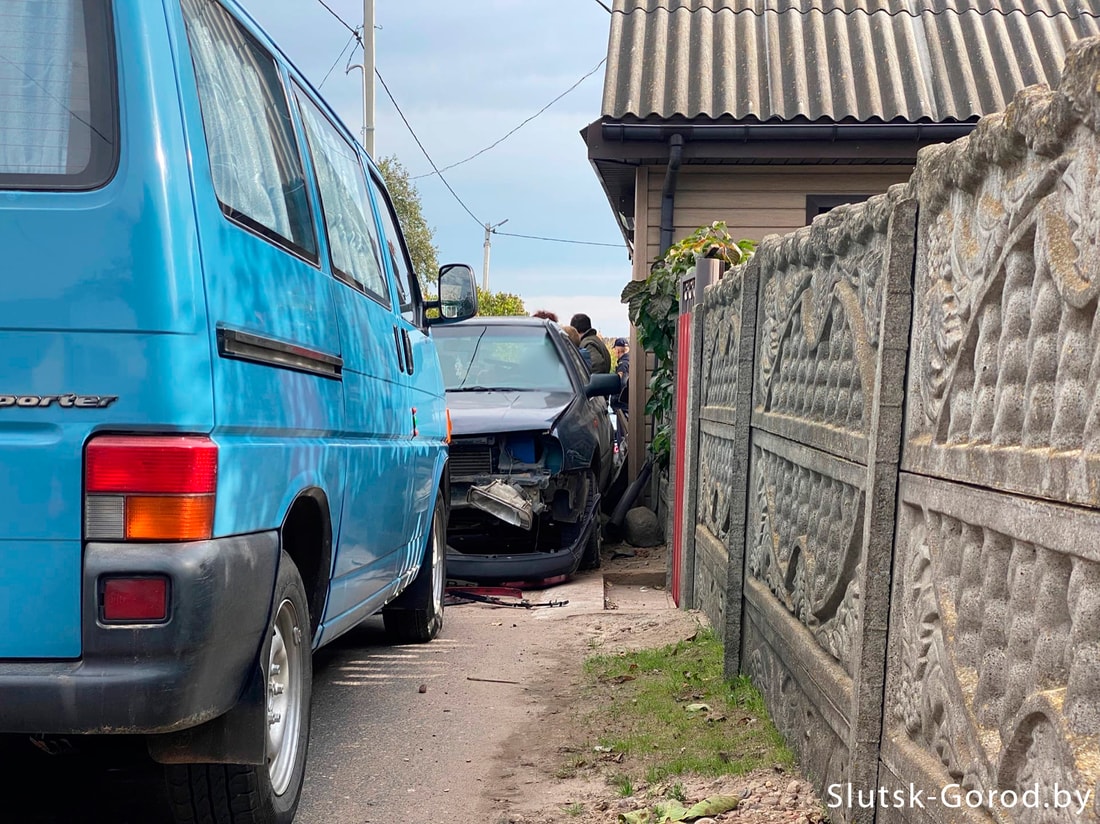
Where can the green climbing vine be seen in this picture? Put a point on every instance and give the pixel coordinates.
(653, 305)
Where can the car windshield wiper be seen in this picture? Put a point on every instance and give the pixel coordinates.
(488, 389)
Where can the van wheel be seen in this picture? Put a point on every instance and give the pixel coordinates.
(266, 793)
(416, 616)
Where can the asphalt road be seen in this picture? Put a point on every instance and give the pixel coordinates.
(381, 750)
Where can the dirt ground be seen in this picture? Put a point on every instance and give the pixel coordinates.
(533, 782)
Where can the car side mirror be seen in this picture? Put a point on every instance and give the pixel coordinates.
(457, 294)
(603, 384)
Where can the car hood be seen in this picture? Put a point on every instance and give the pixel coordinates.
(478, 413)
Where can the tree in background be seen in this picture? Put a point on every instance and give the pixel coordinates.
(493, 304)
(422, 248)
(418, 235)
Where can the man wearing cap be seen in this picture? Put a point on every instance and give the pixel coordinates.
(620, 404)
(599, 357)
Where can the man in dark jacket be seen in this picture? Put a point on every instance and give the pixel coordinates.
(620, 404)
(598, 356)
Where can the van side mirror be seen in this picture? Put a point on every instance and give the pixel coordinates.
(457, 294)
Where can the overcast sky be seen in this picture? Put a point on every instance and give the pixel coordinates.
(465, 74)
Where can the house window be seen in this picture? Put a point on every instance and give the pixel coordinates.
(820, 204)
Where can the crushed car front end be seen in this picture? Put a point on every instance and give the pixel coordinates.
(519, 511)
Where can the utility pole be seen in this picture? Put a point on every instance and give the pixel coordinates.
(489, 229)
(368, 76)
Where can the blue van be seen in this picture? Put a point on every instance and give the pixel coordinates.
(223, 438)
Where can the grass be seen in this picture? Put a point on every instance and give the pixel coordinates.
(624, 785)
(670, 712)
(571, 767)
(575, 809)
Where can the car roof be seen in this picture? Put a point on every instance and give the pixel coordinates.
(506, 320)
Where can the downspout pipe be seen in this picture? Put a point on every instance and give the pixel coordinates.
(668, 191)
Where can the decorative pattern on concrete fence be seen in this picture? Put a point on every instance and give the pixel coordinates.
(820, 506)
(995, 648)
(727, 318)
(923, 446)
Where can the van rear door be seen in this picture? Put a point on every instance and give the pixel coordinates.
(101, 311)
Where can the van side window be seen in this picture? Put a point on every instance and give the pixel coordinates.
(58, 107)
(254, 157)
(407, 287)
(349, 222)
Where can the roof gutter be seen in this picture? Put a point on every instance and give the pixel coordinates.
(749, 132)
(668, 191)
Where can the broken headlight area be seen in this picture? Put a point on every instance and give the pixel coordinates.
(506, 502)
(477, 459)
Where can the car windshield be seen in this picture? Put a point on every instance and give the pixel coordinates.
(522, 358)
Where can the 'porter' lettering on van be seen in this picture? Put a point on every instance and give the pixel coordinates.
(64, 401)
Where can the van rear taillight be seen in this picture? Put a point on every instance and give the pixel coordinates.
(158, 488)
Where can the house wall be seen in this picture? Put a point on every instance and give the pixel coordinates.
(754, 201)
(901, 459)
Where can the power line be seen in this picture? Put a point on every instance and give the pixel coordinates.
(356, 36)
(352, 39)
(562, 240)
(605, 6)
(341, 19)
(520, 126)
(408, 126)
(436, 170)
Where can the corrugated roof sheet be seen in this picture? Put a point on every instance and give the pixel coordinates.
(916, 60)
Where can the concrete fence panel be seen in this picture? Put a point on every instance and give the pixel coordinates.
(727, 321)
(994, 663)
(825, 438)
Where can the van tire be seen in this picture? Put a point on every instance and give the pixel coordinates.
(265, 793)
(416, 616)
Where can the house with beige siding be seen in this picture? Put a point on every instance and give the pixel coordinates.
(765, 113)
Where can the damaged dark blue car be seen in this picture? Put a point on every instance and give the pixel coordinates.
(531, 451)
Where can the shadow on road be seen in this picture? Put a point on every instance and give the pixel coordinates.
(91, 788)
(116, 782)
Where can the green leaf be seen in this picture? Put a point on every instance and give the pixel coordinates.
(631, 289)
(715, 805)
(661, 306)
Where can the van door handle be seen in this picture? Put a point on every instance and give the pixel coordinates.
(409, 365)
(400, 350)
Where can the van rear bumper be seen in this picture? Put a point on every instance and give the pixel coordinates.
(153, 678)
